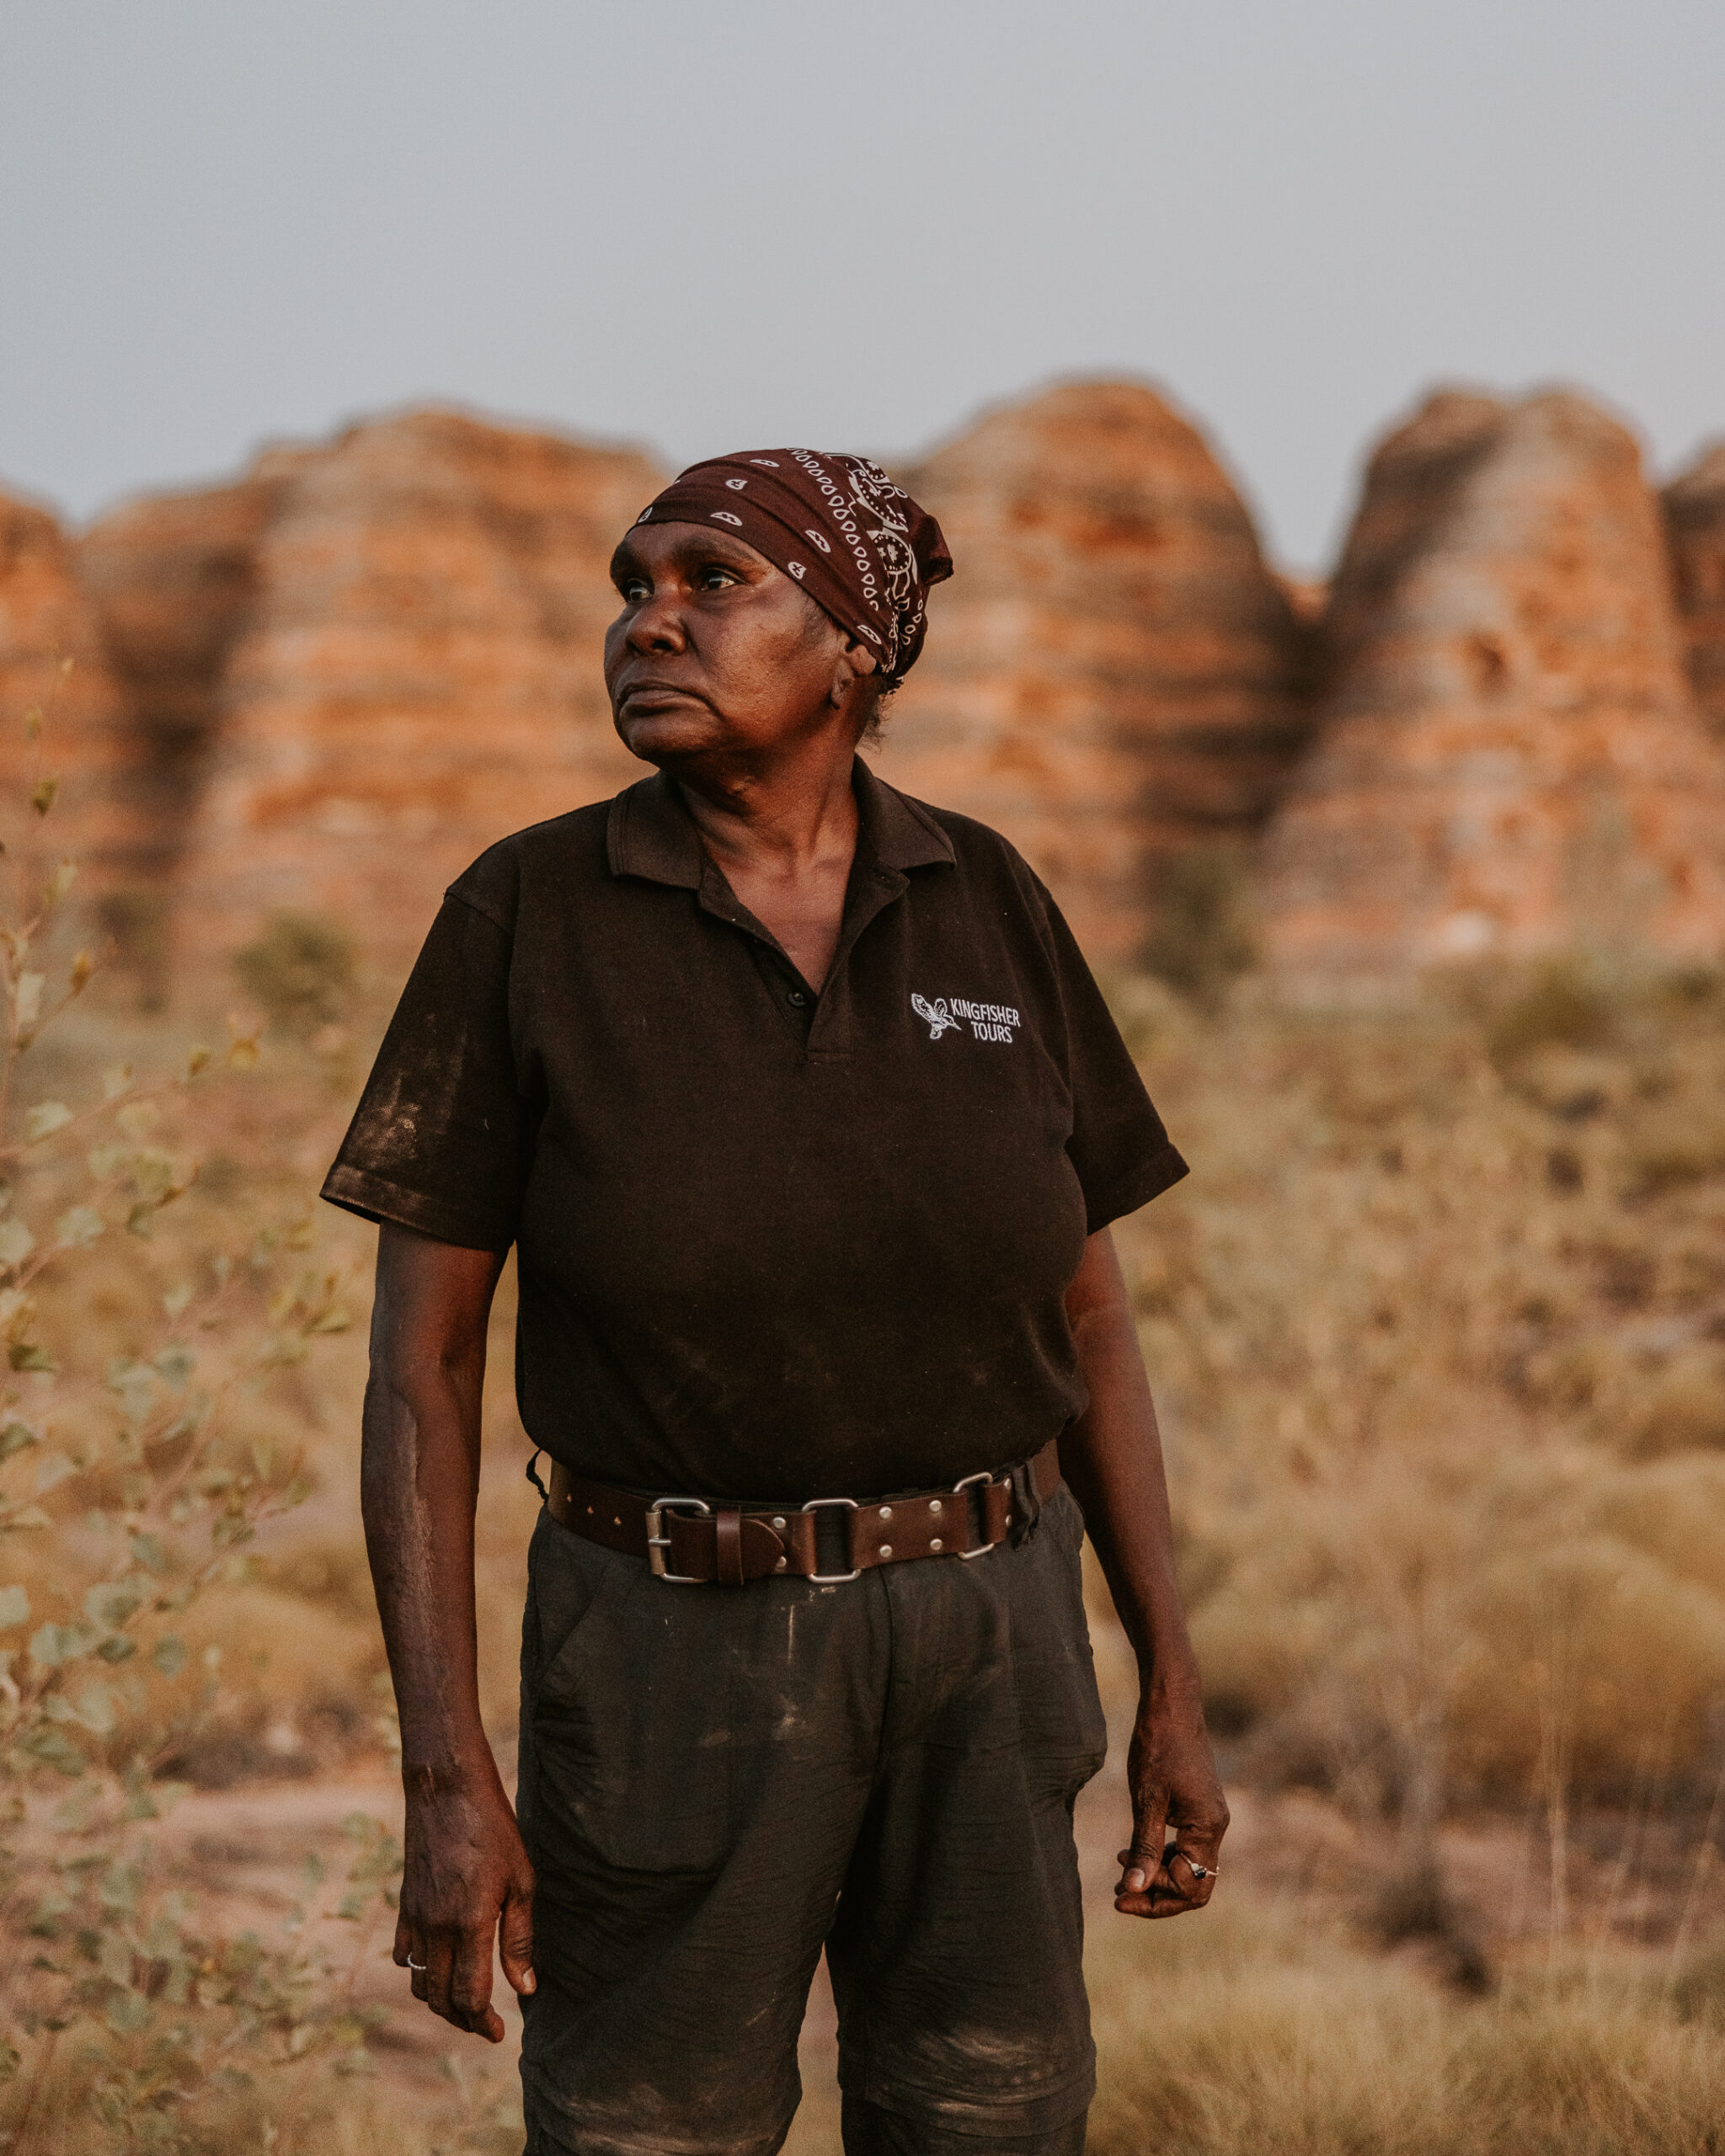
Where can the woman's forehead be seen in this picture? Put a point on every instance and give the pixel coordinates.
(645, 545)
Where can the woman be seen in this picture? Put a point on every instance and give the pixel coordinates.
(807, 1123)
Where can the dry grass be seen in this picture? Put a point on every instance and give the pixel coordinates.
(1271, 2035)
(1439, 1329)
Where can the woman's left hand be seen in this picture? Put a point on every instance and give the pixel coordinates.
(1171, 1773)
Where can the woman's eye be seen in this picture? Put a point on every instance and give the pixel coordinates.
(714, 579)
(633, 589)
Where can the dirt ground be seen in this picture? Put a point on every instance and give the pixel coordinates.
(1632, 1882)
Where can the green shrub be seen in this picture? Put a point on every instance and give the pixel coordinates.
(1204, 938)
(299, 972)
(131, 1484)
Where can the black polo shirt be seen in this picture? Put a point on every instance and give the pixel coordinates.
(771, 1244)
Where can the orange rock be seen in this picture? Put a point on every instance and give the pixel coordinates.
(390, 649)
(1695, 517)
(1113, 676)
(45, 619)
(173, 579)
(1508, 759)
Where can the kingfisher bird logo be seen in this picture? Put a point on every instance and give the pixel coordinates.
(936, 1015)
(988, 1021)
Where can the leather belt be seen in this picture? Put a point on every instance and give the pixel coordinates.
(697, 1540)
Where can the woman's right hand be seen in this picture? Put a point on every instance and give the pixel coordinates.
(467, 1881)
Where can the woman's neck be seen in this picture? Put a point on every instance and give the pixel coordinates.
(784, 838)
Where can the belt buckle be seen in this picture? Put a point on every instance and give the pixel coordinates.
(832, 1579)
(958, 1488)
(657, 1543)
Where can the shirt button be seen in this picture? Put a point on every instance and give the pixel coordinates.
(796, 996)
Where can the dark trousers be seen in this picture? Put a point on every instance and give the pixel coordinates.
(716, 1783)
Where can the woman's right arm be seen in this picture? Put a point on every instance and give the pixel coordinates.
(466, 1868)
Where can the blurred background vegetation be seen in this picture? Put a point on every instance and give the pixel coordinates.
(1438, 1330)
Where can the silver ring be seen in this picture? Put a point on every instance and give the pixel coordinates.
(418, 1965)
(1197, 1870)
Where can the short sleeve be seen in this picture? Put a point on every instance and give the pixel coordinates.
(435, 1142)
(1118, 1147)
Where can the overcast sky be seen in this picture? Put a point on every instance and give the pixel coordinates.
(742, 222)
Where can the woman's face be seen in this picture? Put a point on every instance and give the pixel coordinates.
(716, 652)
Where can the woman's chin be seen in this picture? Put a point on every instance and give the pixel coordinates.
(661, 737)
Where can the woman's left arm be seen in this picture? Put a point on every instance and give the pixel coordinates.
(1111, 1457)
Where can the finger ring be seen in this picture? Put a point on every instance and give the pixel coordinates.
(1197, 1870)
(418, 1965)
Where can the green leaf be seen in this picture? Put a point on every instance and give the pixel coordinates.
(78, 1226)
(109, 1602)
(27, 1000)
(15, 1607)
(52, 1645)
(119, 1648)
(115, 1081)
(16, 1437)
(46, 1118)
(28, 1355)
(95, 1709)
(26, 1516)
(127, 2013)
(54, 1749)
(16, 1242)
(42, 797)
(53, 1469)
(138, 1119)
(168, 1654)
(147, 1549)
(133, 1384)
(175, 1364)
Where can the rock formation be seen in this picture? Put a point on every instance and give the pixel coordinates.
(173, 579)
(367, 661)
(1695, 518)
(324, 688)
(1508, 758)
(1113, 677)
(76, 737)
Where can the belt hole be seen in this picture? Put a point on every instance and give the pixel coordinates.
(886, 1549)
(590, 1512)
(614, 1520)
(886, 1511)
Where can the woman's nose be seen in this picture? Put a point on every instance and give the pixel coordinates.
(656, 624)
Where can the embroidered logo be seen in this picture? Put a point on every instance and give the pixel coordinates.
(797, 570)
(736, 485)
(988, 1021)
(937, 1016)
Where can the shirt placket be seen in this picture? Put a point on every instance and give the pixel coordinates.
(820, 1020)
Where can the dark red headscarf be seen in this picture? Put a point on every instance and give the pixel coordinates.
(858, 545)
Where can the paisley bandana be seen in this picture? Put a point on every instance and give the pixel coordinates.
(858, 545)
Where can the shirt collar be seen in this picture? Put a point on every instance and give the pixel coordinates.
(650, 834)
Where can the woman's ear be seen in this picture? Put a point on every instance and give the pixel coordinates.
(854, 664)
